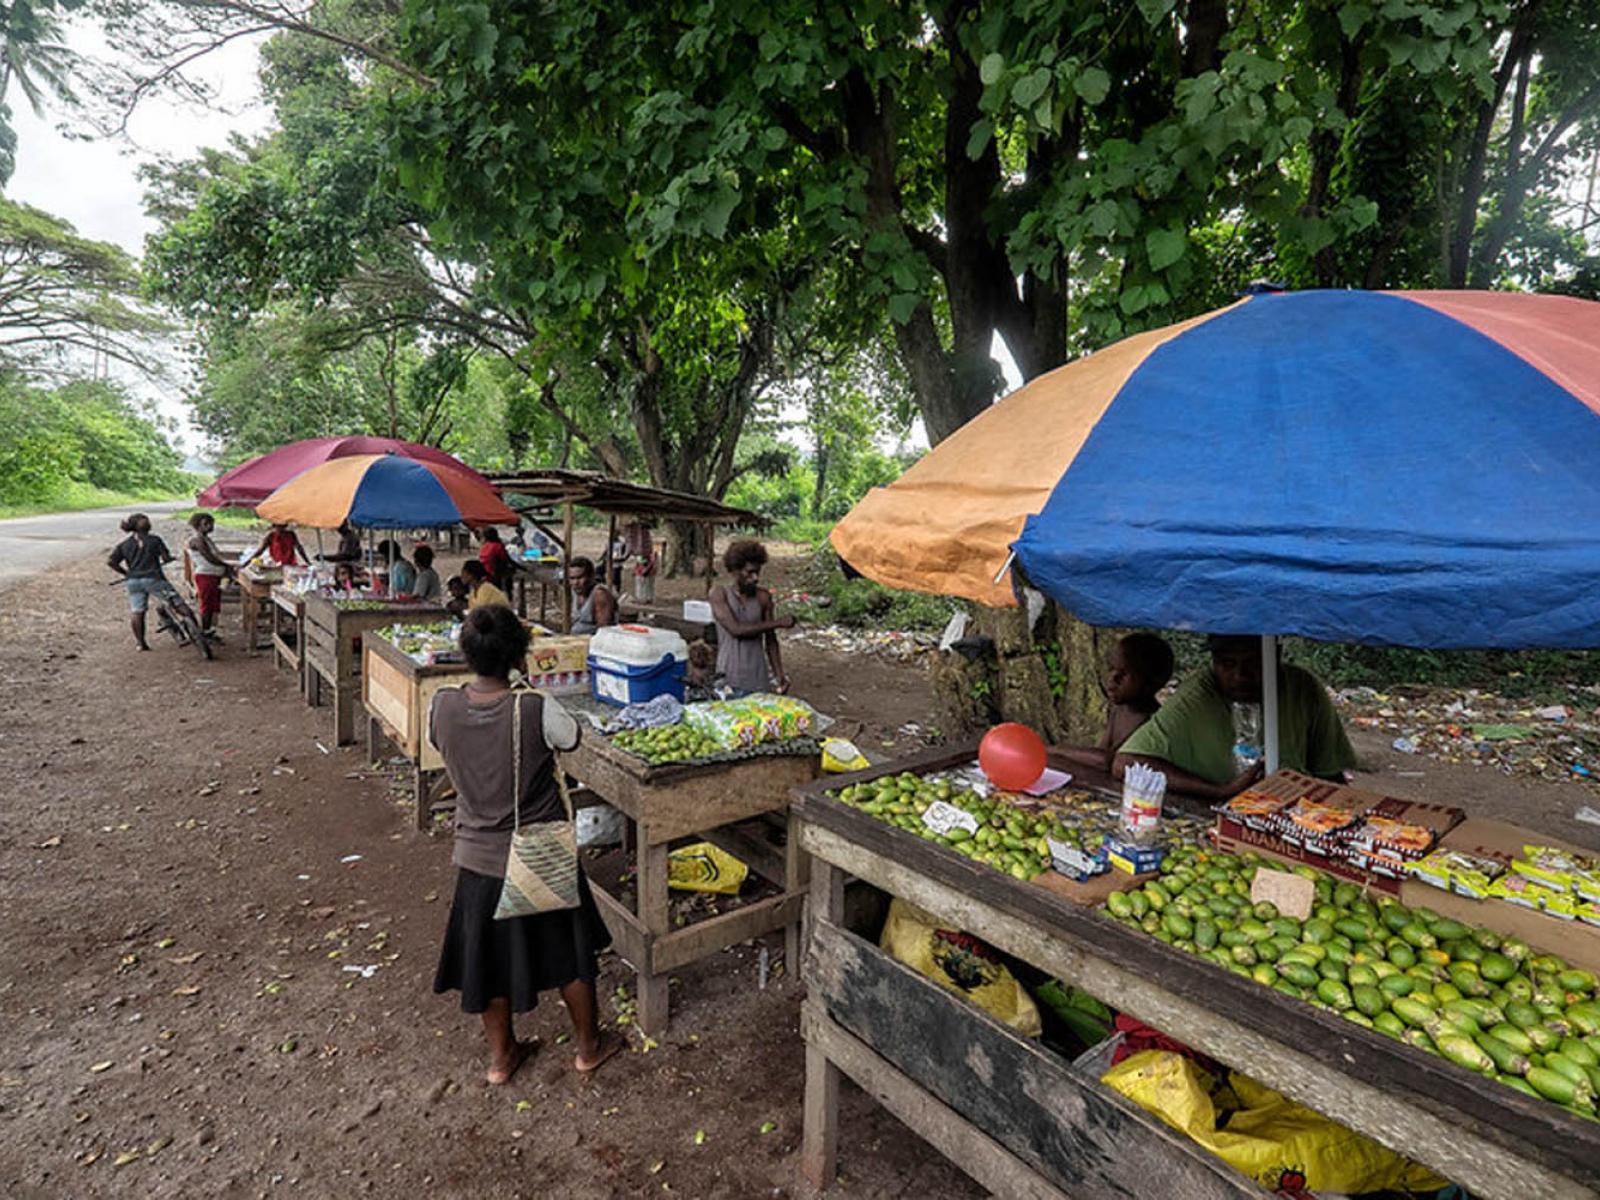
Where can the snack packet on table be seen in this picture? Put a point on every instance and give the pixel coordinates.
(1457, 870)
(1560, 870)
(752, 720)
(1519, 889)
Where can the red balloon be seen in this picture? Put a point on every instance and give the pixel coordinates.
(1012, 756)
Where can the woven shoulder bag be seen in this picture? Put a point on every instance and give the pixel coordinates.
(542, 865)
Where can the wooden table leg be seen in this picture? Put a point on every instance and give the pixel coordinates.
(651, 886)
(344, 716)
(247, 619)
(819, 1142)
(373, 733)
(420, 791)
(796, 877)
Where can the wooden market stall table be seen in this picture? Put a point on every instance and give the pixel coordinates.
(727, 803)
(288, 631)
(1023, 1121)
(332, 634)
(257, 614)
(546, 574)
(547, 490)
(397, 689)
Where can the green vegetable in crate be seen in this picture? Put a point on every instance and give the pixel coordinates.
(1490, 1005)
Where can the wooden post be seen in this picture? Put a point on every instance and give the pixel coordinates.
(422, 794)
(651, 885)
(796, 876)
(566, 557)
(611, 540)
(819, 1142)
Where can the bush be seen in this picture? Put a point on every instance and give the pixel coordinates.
(860, 603)
(1529, 674)
(63, 445)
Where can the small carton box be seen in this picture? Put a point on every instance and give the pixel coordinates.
(1234, 838)
(1131, 858)
(553, 655)
(1076, 864)
(558, 665)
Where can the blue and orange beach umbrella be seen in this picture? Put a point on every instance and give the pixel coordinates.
(1392, 468)
(385, 491)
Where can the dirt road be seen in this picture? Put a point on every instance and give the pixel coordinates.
(29, 545)
(217, 952)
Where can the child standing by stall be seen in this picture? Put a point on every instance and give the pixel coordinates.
(1138, 668)
(209, 570)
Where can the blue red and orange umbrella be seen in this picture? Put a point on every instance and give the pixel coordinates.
(1401, 468)
(385, 491)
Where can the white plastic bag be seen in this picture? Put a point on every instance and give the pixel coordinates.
(599, 825)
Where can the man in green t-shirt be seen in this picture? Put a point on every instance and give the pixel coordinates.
(1191, 736)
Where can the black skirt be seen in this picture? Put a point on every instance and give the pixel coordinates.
(485, 959)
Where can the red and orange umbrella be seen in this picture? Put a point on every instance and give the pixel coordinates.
(251, 482)
(385, 491)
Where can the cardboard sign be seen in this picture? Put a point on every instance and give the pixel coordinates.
(942, 818)
(1292, 894)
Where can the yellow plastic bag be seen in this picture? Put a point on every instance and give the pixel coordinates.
(960, 963)
(1270, 1138)
(839, 756)
(703, 867)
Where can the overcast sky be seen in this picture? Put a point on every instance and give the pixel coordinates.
(94, 184)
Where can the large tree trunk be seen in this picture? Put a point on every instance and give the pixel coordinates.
(691, 549)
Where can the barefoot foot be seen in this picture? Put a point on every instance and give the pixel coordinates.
(608, 1046)
(502, 1069)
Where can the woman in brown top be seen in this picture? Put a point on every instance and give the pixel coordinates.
(500, 967)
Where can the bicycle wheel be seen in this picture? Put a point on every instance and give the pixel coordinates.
(167, 618)
(196, 635)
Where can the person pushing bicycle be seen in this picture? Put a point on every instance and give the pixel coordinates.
(138, 558)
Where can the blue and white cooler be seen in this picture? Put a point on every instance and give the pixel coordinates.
(629, 664)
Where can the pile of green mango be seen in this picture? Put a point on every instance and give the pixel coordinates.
(1487, 1003)
(1008, 839)
(667, 744)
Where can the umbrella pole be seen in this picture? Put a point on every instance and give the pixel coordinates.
(1269, 700)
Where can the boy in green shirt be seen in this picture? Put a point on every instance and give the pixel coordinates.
(1191, 737)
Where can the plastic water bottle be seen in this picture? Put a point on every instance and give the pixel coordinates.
(1246, 736)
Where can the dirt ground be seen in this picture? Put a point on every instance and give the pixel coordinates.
(220, 931)
(197, 979)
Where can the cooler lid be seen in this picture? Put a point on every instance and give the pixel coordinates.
(637, 645)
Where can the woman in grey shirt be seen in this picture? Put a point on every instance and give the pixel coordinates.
(500, 967)
(426, 585)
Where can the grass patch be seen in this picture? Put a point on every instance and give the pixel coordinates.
(801, 529)
(80, 497)
(860, 603)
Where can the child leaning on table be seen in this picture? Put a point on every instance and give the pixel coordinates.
(1138, 668)
(456, 588)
